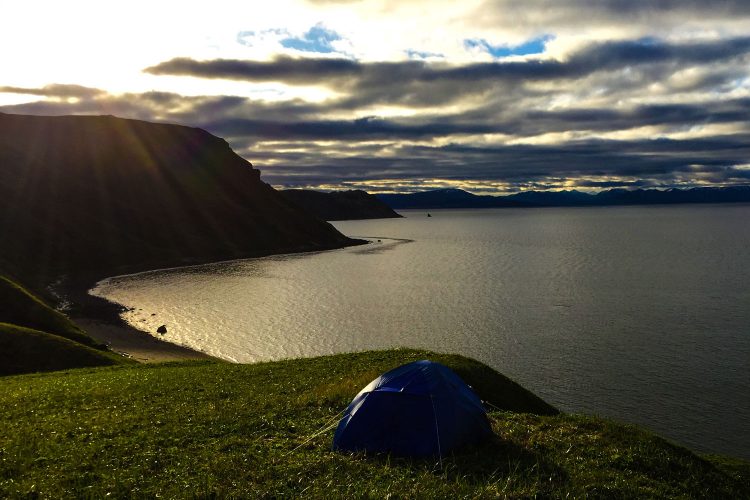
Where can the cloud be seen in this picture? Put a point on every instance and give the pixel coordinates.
(630, 15)
(54, 90)
(606, 67)
(639, 111)
(662, 163)
(296, 145)
(243, 119)
(291, 70)
(368, 128)
(593, 58)
(601, 120)
(622, 9)
(502, 22)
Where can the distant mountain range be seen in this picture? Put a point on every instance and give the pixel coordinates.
(340, 205)
(457, 198)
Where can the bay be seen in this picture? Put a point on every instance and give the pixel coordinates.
(641, 314)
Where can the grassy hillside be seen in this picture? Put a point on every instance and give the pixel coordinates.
(36, 338)
(20, 307)
(23, 350)
(206, 429)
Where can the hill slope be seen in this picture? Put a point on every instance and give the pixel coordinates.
(340, 205)
(36, 338)
(20, 307)
(101, 195)
(23, 350)
(206, 430)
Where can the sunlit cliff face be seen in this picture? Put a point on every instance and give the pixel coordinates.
(489, 96)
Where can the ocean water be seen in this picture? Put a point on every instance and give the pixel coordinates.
(641, 314)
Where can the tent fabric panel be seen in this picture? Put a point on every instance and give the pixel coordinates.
(403, 424)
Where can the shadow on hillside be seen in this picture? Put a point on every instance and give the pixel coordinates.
(496, 462)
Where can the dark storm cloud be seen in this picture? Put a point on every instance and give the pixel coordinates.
(607, 119)
(611, 66)
(605, 157)
(54, 90)
(636, 15)
(657, 162)
(286, 69)
(243, 119)
(652, 50)
(235, 116)
(359, 129)
(520, 123)
(597, 57)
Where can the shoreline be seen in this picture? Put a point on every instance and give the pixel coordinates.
(101, 318)
(136, 344)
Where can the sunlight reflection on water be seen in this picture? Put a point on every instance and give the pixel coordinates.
(637, 313)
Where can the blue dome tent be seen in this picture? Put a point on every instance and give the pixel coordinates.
(418, 409)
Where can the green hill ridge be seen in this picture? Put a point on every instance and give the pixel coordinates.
(35, 338)
(23, 350)
(206, 429)
(21, 307)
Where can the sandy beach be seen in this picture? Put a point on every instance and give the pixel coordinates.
(135, 344)
(101, 319)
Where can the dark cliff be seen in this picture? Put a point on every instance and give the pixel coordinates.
(340, 205)
(99, 195)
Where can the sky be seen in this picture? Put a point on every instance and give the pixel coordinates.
(491, 96)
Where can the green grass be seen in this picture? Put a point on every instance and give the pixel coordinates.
(20, 307)
(23, 350)
(203, 429)
(36, 338)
